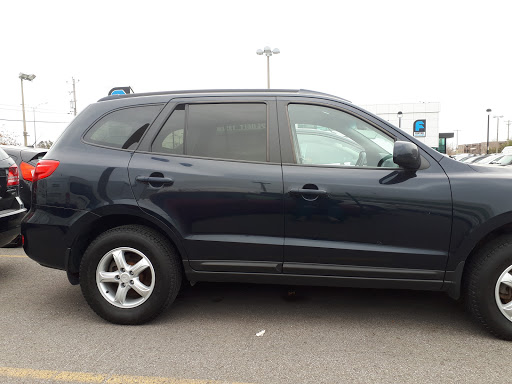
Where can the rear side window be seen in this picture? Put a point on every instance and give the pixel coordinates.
(231, 131)
(123, 128)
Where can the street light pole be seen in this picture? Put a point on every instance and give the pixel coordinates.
(497, 131)
(489, 110)
(24, 121)
(268, 52)
(22, 77)
(268, 72)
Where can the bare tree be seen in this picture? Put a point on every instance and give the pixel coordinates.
(8, 139)
(45, 144)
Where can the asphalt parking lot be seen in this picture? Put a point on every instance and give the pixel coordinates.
(312, 335)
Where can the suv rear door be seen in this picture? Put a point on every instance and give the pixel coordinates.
(350, 212)
(210, 168)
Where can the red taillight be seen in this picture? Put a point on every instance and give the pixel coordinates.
(13, 177)
(44, 168)
(27, 170)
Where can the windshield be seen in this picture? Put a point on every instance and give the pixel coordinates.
(505, 160)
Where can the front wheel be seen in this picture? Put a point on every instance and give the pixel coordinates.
(130, 274)
(489, 287)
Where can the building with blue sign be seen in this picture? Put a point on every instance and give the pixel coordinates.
(420, 120)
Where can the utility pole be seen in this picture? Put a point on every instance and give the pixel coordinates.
(73, 102)
(497, 131)
(489, 110)
(34, 112)
(508, 122)
(35, 137)
(457, 139)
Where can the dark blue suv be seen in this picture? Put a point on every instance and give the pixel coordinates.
(144, 191)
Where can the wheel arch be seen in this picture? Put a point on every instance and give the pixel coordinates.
(107, 219)
(455, 279)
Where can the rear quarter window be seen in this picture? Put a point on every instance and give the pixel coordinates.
(3, 154)
(122, 128)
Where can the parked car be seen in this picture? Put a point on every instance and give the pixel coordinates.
(461, 156)
(488, 159)
(468, 158)
(504, 160)
(475, 159)
(11, 206)
(26, 159)
(144, 191)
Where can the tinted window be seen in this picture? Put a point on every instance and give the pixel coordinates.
(170, 139)
(123, 128)
(227, 131)
(318, 148)
(327, 136)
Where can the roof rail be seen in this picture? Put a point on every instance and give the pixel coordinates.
(308, 91)
(112, 97)
(196, 91)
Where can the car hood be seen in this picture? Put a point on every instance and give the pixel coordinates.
(495, 169)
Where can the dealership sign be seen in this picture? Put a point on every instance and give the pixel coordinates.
(420, 128)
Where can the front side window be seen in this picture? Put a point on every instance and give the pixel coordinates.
(123, 128)
(327, 136)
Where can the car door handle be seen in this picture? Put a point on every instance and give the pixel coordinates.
(155, 180)
(301, 191)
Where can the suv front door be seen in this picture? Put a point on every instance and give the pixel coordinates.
(210, 168)
(350, 212)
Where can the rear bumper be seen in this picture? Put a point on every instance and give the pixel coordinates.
(10, 223)
(49, 232)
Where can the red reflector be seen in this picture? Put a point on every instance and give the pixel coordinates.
(22, 240)
(27, 170)
(44, 168)
(13, 177)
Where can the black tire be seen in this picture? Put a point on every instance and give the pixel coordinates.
(484, 270)
(164, 274)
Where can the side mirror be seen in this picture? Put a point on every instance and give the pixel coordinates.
(406, 155)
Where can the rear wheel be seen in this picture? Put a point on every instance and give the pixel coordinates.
(130, 274)
(489, 287)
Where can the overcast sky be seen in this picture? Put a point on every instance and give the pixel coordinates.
(458, 53)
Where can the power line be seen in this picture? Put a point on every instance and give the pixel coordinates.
(39, 121)
(405, 113)
(38, 111)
